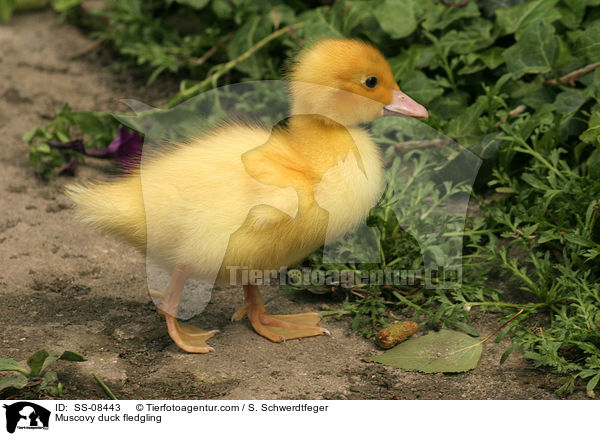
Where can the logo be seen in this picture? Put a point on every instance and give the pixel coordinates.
(26, 415)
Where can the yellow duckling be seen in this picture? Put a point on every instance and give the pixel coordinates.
(247, 197)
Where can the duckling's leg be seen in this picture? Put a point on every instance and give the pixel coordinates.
(187, 337)
(277, 328)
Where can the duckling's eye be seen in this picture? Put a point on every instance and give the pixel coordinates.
(371, 82)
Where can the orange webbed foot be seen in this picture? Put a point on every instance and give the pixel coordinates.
(277, 328)
(188, 337)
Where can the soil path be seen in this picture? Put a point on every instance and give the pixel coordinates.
(63, 286)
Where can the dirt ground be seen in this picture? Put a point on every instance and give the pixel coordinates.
(63, 286)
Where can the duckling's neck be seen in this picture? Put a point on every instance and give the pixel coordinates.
(313, 121)
(319, 138)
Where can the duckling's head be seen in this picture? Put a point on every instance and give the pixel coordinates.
(349, 82)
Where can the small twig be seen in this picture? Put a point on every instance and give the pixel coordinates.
(226, 67)
(536, 330)
(569, 79)
(517, 111)
(405, 293)
(106, 389)
(415, 145)
(199, 61)
(502, 326)
(477, 344)
(513, 113)
(358, 294)
(95, 44)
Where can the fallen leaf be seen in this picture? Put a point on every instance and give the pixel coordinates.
(443, 351)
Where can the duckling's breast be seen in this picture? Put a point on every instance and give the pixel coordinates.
(205, 210)
(349, 189)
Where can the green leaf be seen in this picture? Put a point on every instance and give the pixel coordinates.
(476, 36)
(578, 240)
(36, 361)
(6, 10)
(577, 7)
(535, 182)
(569, 101)
(52, 357)
(421, 88)
(467, 123)
(508, 352)
(255, 29)
(398, 18)
(535, 52)
(222, 8)
(49, 378)
(441, 16)
(72, 356)
(40, 361)
(443, 351)
(354, 13)
(462, 326)
(403, 65)
(65, 5)
(489, 7)
(533, 94)
(586, 43)
(487, 148)
(592, 383)
(89, 123)
(14, 381)
(12, 365)
(448, 106)
(518, 18)
(490, 58)
(318, 26)
(568, 18)
(415, 57)
(30, 134)
(592, 134)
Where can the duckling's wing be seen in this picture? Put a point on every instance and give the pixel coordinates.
(275, 164)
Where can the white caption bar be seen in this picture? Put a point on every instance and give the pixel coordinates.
(411, 418)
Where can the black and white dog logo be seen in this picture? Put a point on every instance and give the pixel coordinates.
(26, 415)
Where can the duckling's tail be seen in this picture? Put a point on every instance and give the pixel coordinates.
(116, 208)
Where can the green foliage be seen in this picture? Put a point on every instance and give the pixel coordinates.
(97, 131)
(490, 74)
(8, 7)
(6, 10)
(536, 51)
(545, 238)
(37, 377)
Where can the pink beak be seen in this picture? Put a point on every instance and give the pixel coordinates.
(403, 105)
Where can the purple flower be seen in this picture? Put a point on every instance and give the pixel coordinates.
(126, 149)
